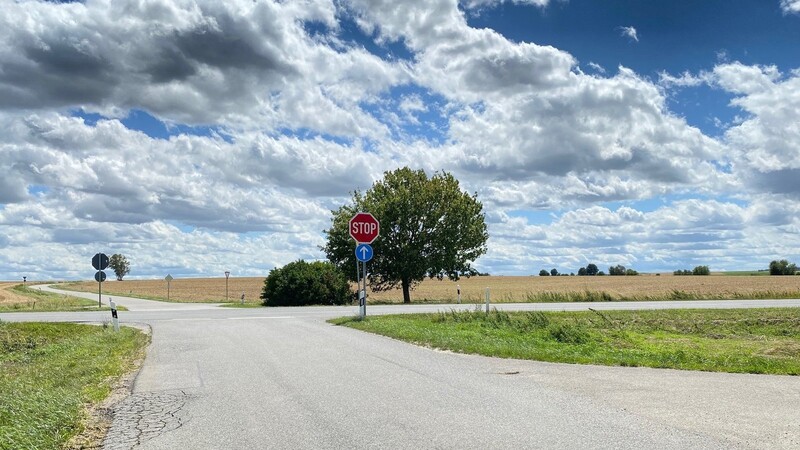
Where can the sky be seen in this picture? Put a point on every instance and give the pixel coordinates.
(198, 137)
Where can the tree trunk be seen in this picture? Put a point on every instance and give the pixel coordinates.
(406, 290)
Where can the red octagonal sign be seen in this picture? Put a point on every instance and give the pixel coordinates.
(364, 228)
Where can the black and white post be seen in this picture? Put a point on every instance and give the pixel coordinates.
(114, 318)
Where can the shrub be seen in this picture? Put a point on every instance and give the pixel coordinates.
(300, 283)
(544, 273)
(782, 267)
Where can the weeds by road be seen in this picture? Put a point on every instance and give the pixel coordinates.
(752, 341)
(50, 373)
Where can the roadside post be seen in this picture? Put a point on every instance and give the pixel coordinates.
(364, 229)
(243, 297)
(114, 318)
(168, 278)
(100, 263)
(458, 289)
(487, 300)
(227, 274)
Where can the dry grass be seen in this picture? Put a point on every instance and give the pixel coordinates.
(503, 289)
(9, 297)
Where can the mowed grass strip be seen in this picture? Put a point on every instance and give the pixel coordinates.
(50, 373)
(16, 297)
(763, 341)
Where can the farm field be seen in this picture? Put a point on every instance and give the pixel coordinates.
(503, 288)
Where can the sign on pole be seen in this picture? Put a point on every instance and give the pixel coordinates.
(364, 228)
(168, 278)
(100, 261)
(363, 252)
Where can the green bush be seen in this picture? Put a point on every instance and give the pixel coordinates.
(300, 283)
(782, 267)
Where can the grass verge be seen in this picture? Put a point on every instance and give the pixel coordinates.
(28, 299)
(50, 373)
(743, 341)
(242, 305)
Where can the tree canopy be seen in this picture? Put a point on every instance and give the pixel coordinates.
(782, 267)
(120, 265)
(428, 227)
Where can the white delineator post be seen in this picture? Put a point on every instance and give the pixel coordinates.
(114, 318)
(458, 289)
(487, 300)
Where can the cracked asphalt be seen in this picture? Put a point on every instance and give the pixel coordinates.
(143, 416)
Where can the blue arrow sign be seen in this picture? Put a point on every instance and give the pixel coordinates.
(363, 252)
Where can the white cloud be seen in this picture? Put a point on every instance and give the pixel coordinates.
(790, 6)
(629, 32)
(308, 117)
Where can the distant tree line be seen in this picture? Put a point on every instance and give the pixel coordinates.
(699, 270)
(592, 270)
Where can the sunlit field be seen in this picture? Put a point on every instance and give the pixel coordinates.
(502, 289)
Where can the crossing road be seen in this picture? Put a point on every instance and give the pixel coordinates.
(284, 378)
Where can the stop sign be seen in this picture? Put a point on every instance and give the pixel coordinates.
(364, 228)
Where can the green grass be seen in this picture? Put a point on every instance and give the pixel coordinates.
(743, 341)
(603, 296)
(49, 301)
(242, 305)
(49, 373)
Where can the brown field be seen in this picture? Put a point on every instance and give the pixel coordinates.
(9, 297)
(503, 289)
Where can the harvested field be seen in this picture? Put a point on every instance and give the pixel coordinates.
(16, 297)
(503, 289)
(9, 297)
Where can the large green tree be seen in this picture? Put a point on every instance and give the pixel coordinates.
(120, 265)
(429, 228)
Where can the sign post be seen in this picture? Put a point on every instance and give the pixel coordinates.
(168, 278)
(227, 274)
(364, 229)
(100, 263)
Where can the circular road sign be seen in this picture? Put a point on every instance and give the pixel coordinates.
(363, 252)
(100, 261)
(100, 276)
(364, 228)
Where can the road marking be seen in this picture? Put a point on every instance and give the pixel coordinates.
(260, 317)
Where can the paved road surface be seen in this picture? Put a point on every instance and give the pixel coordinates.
(218, 378)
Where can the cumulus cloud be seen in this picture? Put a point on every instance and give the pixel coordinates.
(790, 6)
(629, 32)
(300, 118)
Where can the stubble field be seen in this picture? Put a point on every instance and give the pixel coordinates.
(502, 288)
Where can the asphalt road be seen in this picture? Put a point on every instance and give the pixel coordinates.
(224, 378)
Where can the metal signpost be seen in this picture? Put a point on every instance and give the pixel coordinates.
(227, 274)
(168, 278)
(100, 263)
(364, 229)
